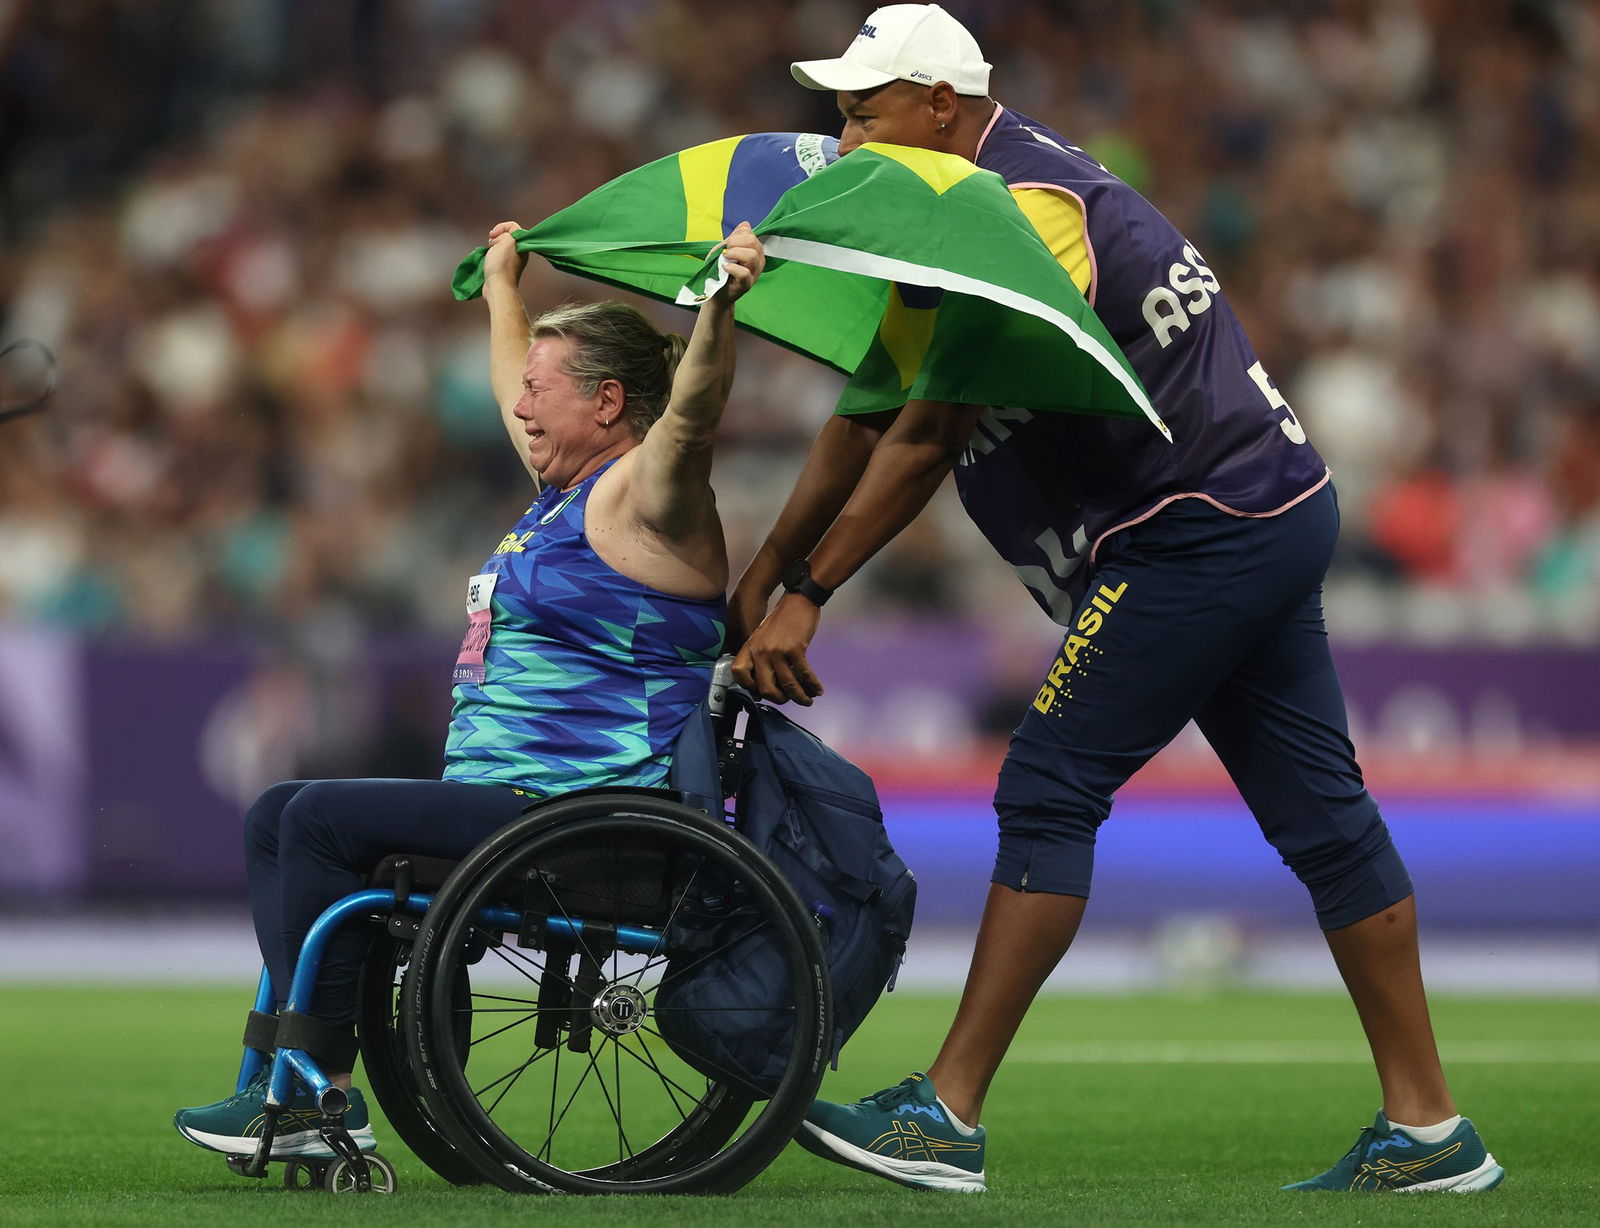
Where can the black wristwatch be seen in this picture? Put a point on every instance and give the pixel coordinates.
(797, 579)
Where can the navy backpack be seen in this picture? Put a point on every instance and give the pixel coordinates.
(816, 816)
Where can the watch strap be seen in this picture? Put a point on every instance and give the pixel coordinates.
(798, 580)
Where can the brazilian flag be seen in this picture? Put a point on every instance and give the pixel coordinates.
(912, 272)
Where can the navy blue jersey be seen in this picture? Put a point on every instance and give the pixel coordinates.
(1047, 488)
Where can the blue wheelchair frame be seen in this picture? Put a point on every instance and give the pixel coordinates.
(704, 771)
(291, 1064)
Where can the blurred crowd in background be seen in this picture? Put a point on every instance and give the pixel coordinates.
(235, 222)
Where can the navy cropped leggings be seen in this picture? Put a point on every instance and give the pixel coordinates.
(1199, 614)
(309, 843)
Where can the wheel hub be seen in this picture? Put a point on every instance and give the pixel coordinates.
(619, 1009)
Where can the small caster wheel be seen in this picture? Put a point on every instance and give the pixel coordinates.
(305, 1174)
(341, 1179)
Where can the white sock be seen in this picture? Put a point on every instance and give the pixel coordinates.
(1436, 1133)
(962, 1128)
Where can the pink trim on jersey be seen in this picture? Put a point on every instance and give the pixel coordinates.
(987, 129)
(1083, 211)
(1221, 507)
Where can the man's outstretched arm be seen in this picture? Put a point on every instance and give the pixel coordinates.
(903, 471)
(838, 458)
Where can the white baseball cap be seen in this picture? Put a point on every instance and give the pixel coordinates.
(903, 42)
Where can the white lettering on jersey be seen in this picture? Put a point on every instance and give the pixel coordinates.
(1165, 312)
(1054, 144)
(1290, 426)
(1049, 584)
(993, 429)
(1206, 275)
(1179, 276)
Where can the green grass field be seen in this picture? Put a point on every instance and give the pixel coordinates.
(1111, 1111)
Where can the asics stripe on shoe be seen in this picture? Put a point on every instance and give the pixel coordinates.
(1386, 1159)
(903, 1134)
(234, 1125)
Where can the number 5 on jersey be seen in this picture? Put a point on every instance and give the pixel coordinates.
(1290, 425)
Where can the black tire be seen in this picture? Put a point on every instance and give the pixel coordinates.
(304, 1175)
(667, 1122)
(388, 1066)
(340, 1178)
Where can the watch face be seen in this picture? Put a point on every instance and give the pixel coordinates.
(797, 579)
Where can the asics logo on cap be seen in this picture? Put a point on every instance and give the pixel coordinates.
(907, 42)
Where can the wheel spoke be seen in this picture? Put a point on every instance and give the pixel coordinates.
(513, 1075)
(671, 917)
(660, 960)
(555, 1091)
(697, 961)
(733, 1076)
(649, 1061)
(499, 997)
(556, 1121)
(614, 1106)
(515, 1023)
(523, 964)
(565, 916)
(616, 1044)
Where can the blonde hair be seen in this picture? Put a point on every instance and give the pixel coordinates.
(611, 340)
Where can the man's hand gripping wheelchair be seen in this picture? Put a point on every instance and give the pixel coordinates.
(517, 1008)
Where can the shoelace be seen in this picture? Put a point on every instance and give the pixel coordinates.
(256, 1086)
(889, 1097)
(256, 1089)
(1362, 1140)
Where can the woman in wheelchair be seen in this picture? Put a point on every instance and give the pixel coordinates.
(593, 628)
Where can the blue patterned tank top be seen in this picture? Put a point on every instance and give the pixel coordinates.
(573, 675)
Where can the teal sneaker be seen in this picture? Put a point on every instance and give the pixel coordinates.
(1388, 1159)
(234, 1125)
(902, 1133)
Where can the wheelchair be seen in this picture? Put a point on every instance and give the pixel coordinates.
(516, 1017)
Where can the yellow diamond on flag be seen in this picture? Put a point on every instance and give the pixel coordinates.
(939, 171)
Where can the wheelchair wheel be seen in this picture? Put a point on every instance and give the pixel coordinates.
(339, 1178)
(596, 910)
(302, 1175)
(388, 1067)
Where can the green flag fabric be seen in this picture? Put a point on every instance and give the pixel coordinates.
(912, 272)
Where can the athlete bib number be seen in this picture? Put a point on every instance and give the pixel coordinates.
(480, 616)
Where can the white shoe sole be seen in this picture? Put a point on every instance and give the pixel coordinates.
(302, 1144)
(1485, 1177)
(921, 1174)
